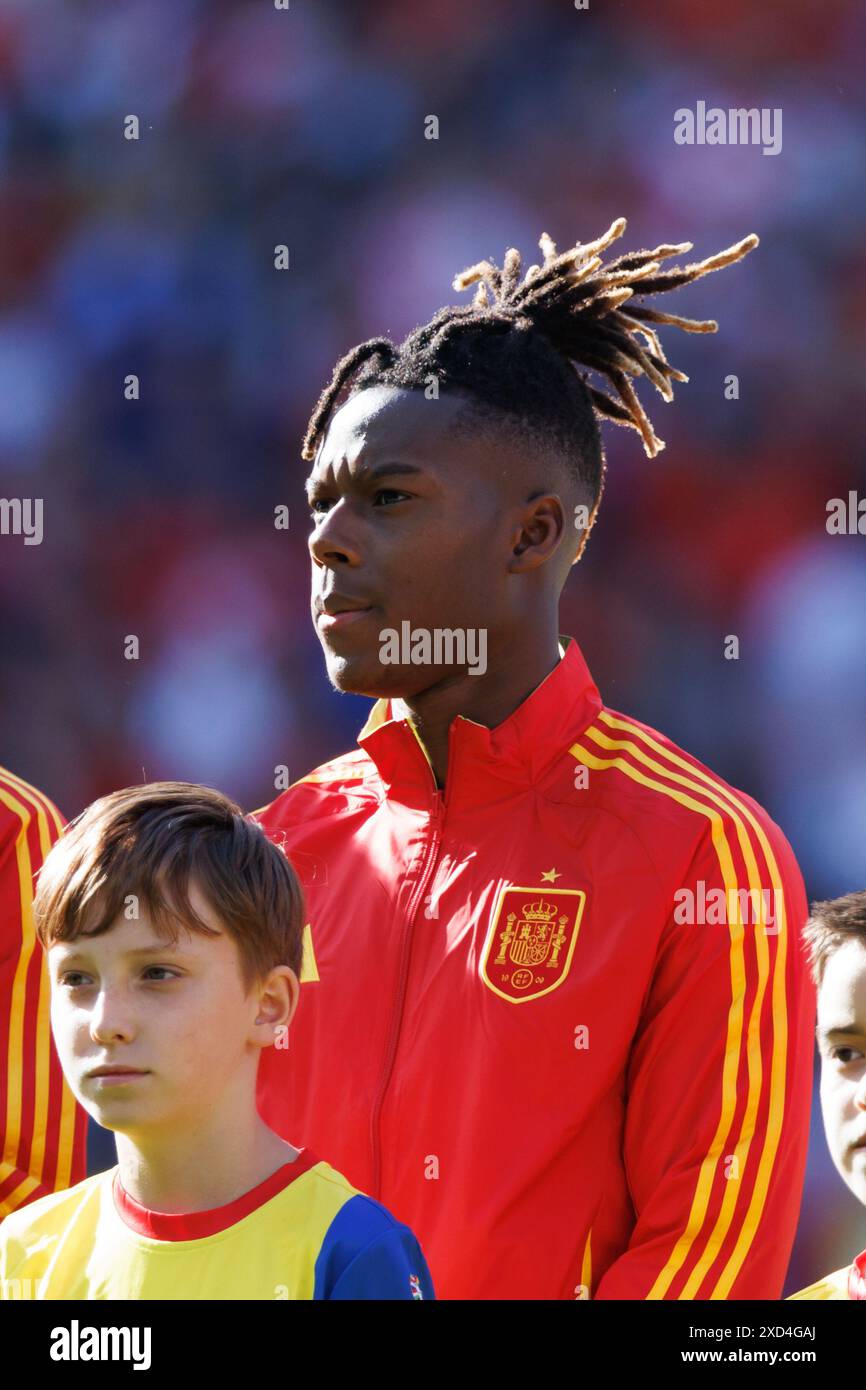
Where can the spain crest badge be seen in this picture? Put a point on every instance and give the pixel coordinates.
(531, 941)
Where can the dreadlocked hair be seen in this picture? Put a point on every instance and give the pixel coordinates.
(523, 348)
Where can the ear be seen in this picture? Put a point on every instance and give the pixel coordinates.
(538, 533)
(278, 997)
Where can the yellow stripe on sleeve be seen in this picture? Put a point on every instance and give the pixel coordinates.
(22, 800)
(709, 792)
(776, 1106)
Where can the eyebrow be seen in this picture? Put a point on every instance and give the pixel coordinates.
(836, 1031)
(155, 948)
(368, 475)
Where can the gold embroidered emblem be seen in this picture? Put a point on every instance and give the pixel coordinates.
(531, 941)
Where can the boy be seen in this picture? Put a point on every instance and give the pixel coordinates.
(836, 936)
(174, 934)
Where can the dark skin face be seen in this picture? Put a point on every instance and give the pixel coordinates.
(451, 532)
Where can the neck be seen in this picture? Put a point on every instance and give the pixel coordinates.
(513, 672)
(200, 1170)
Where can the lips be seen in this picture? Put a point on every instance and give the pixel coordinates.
(337, 611)
(117, 1071)
(335, 604)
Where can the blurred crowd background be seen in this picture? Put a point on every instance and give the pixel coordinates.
(260, 127)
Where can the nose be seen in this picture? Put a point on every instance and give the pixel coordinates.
(336, 540)
(111, 1019)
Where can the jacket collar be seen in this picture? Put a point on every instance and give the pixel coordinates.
(486, 764)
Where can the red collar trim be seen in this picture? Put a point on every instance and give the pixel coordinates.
(857, 1277)
(483, 763)
(195, 1225)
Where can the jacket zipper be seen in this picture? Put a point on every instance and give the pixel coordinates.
(434, 830)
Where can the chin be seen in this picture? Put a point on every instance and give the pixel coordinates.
(366, 676)
(855, 1177)
(859, 1190)
(362, 676)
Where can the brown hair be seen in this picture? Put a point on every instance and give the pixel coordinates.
(150, 841)
(830, 925)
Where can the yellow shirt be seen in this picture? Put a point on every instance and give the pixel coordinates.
(847, 1283)
(834, 1286)
(303, 1233)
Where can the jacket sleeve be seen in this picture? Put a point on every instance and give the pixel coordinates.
(43, 1131)
(720, 1077)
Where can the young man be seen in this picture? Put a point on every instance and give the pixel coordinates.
(174, 936)
(555, 1014)
(836, 936)
(43, 1131)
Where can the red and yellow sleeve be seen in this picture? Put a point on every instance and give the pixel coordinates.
(720, 1077)
(43, 1130)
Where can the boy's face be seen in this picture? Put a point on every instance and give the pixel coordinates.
(176, 1015)
(842, 1043)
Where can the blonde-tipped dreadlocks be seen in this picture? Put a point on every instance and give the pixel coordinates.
(519, 347)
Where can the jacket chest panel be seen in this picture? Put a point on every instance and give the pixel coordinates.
(519, 957)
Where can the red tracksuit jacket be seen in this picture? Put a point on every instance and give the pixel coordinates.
(543, 1016)
(43, 1129)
